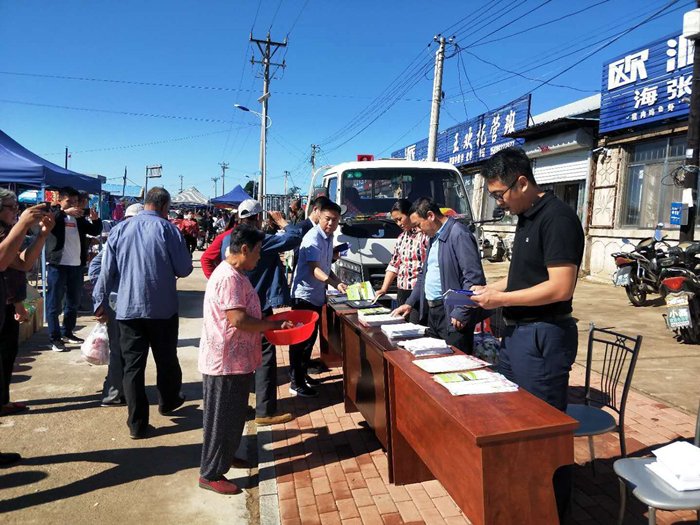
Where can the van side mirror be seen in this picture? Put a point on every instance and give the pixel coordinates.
(498, 214)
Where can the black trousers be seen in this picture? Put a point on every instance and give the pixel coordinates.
(136, 335)
(9, 346)
(401, 298)
(266, 378)
(113, 388)
(191, 241)
(437, 327)
(300, 355)
(538, 358)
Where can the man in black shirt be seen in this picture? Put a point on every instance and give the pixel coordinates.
(541, 338)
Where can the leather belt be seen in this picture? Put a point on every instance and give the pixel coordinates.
(532, 320)
(436, 302)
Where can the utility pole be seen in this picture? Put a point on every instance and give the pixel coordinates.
(267, 48)
(124, 182)
(286, 174)
(215, 179)
(224, 167)
(181, 177)
(692, 151)
(437, 97)
(66, 161)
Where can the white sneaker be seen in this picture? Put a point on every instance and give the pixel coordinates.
(58, 346)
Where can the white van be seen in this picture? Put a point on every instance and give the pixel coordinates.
(368, 190)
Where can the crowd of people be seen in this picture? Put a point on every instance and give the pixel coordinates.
(135, 294)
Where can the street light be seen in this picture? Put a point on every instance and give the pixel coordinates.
(265, 124)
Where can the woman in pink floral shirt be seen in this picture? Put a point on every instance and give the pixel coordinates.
(408, 258)
(230, 350)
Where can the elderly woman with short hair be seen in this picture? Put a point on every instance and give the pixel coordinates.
(230, 350)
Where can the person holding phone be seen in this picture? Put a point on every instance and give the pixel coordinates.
(408, 258)
(66, 255)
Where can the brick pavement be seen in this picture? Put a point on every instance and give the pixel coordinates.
(331, 468)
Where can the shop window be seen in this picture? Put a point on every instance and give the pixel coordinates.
(650, 188)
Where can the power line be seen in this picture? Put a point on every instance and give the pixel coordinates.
(297, 18)
(520, 17)
(143, 144)
(470, 84)
(191, 86)
(529, 78)
(600, 48)
(539, 25)
(116, 112)
(275, 15)
(404, 135)
(560, 54)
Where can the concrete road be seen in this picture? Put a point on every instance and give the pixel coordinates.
(82, 467)
(666, 369)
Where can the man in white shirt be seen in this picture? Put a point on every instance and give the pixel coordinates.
(65, 270)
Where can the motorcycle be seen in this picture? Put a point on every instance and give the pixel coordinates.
(680, 288)
(638, 270)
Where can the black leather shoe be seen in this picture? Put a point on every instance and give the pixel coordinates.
(142, 434)
(165, 411)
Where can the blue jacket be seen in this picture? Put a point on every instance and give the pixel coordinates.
(460, 269)
(142, 259)
(268, 277)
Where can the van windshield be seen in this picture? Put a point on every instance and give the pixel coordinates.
(370, 193)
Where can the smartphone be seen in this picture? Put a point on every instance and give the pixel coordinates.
(341, 247)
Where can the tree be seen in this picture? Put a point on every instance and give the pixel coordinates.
(250, 188)
(294, 190)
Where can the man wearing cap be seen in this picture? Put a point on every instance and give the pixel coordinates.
(146, 255)
(113, 389)
(269, 281)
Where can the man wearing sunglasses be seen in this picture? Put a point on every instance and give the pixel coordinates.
(541, 338)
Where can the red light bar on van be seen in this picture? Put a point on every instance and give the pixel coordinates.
(365, 158)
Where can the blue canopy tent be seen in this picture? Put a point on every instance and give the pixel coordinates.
(232, 198)
(21, 166)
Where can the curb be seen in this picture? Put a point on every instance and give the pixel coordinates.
(267, 479)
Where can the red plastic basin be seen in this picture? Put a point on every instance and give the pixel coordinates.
(293, 336)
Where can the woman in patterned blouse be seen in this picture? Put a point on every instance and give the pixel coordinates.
(408, 258)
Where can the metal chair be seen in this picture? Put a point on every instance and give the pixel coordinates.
(620, 355)
(651, 490)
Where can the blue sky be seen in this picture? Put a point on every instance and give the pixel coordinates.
(341, 55)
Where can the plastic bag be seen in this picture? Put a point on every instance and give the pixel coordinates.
(96, 347)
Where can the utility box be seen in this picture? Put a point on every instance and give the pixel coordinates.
(691, 24)
(679, 214)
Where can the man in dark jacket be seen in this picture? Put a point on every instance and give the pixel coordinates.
(452, 263)
(269, 281)
(66, 254)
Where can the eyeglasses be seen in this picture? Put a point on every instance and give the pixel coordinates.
(13, 207)
(498, 195)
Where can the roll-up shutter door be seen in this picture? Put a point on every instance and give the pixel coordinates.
(567, 167)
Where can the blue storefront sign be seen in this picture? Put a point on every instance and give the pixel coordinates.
(477, 139)
(647, 84)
